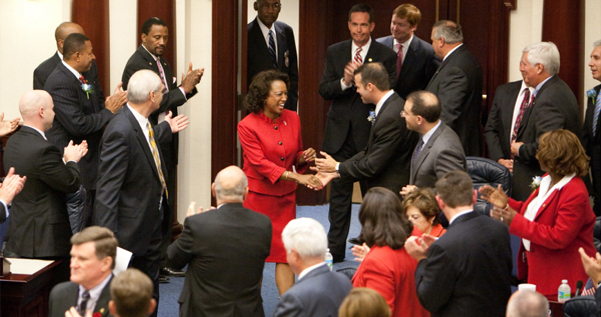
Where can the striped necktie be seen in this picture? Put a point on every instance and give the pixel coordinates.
(274, 59)
(596, 115)
(162, 75)
(157, 158)
(358, 58)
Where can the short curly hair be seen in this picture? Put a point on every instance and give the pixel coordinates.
(260, 87)
(561, 153)
(424, 200)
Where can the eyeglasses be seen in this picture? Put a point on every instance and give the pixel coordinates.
(275, 6)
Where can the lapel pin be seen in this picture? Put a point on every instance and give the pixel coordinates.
(150, 64)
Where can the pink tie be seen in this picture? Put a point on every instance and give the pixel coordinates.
(399, 60)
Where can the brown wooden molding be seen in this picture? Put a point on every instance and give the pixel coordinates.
(93, 16)
(511, 4)
(164, 10)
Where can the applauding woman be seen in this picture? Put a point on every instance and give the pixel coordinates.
(422, 210)
(271, 140)
(557, 218)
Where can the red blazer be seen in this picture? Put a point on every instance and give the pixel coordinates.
(270, 148)
(563, 224)
(391, 273)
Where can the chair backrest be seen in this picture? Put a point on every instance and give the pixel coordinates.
(485, 171)
(581, 306)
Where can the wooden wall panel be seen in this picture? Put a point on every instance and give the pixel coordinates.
(93, 16)
(164, 10)
(567, 32)
(224, 85)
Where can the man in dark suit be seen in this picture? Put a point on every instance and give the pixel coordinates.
(149, 55)
(439, 150)
(453, 274)
(318, 291)
(92, 263)
(81, 113)
(416, 61)
(132, 191)
(39, 224)
(591, 131)
(271, 46)
(458, 85)
(41, 73)
(225, 250)
(386, 160)
(348, 123)
(554, 107)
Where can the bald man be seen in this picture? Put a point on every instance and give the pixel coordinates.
(41, 73)
(226, 249)
(527, 304)
(39, 224)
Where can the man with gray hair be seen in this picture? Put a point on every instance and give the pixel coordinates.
(318, 292)
(553, 106)
(458, 85)
(225, 249)
(591, 140)
(132, 194)
(527, 303)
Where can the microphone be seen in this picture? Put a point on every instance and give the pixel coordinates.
(578, 288)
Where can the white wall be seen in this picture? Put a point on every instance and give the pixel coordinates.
(26, 40)
(526, 27)
(123, 37)
(593, 33)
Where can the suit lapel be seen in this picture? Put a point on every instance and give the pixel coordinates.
(281, 45)
(530, 109)
(149, 59)
(426, 150)
(370, 141)
(409, 58)
(142, 139)
(87, 106)
(511, 97)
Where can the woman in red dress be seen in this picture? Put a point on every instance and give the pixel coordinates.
(271, 140)
(388, 268)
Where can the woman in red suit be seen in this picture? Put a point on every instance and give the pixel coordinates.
(271, 140)
(557, 218)
(422, 210)
(388, 268)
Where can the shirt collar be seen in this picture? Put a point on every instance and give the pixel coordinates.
(264, 28)
(39, 131)
(426, 137)
(451, 51)
(59, 55)
(405, 44)
(143, 121)
(539, 86)
(459, 215)
(95, 292)
(382, 101)
(309, 269)
(364, 48)
(153, 56)
(72, 70)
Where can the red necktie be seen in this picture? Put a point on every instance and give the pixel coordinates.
(399, 60)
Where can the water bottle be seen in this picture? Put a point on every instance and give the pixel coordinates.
(564, 291)
(330, 260)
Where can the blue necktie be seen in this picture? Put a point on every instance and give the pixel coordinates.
(272, 50)
(418, 149)
(596, 115)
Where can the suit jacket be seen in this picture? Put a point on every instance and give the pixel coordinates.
(419, 65)
(500, 119)
(347, 109)
(39, 223)
(41, 73)
(468, 270)
(442, 154)
(78, 116)
(65, 295)
(391, 273)
(319, 293)
(141, 59)
(458, 85)
(387, 158)
(128, 199)
(554, 107)
(3, 213)
(225, 250)
(259, 59)
(562, 225)
(592, 146)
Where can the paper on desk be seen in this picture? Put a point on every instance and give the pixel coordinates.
(122, 260)
(27, 266)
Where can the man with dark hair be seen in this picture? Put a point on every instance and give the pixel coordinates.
(386, 159)
(132, 188)
(41, 73)
(349, 119)
(81, 111)
(149, 55)
(92, 263)
(439, 150)
(458, 85)
(467, 271)
(39, 223)
(416, 60)
(226, 250)
(271, 46)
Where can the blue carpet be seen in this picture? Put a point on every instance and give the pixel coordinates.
(168, 306)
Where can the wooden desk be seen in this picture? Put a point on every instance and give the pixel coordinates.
(24, 295)
(556, 308)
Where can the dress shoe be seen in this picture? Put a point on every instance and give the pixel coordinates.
(356, 241)
(163, 279)
(167, 271)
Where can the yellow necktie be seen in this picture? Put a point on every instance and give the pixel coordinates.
(157, 158)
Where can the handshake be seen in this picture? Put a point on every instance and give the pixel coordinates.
(325, 168)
